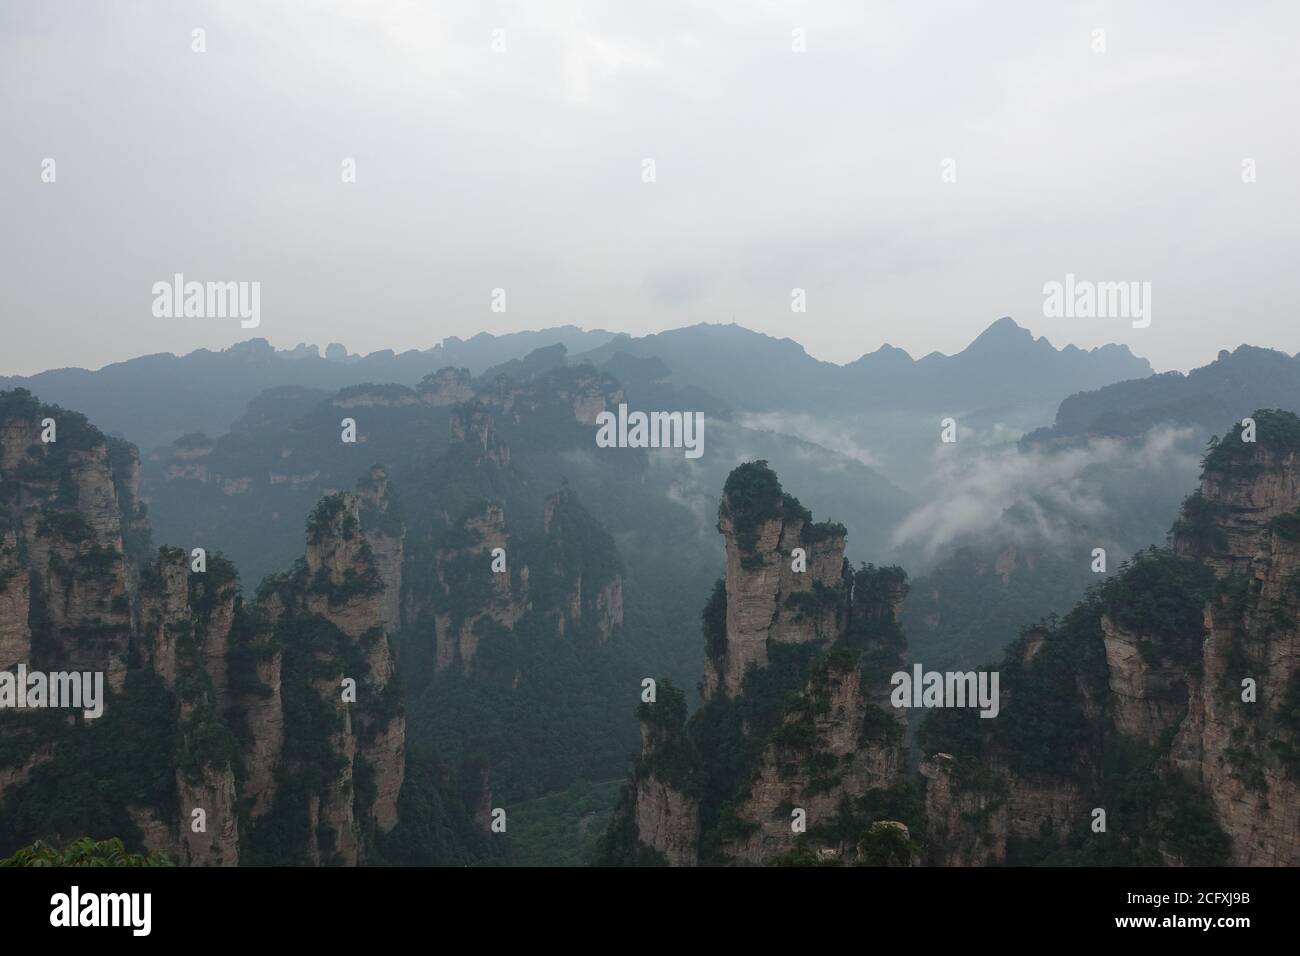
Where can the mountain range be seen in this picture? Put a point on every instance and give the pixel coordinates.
(513, 688)
(155, 399)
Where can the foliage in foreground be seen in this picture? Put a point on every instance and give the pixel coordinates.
(84, 852)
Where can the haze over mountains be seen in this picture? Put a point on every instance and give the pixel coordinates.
(1231, 386)
(1004, 365)
(152, 400)
(516, 688)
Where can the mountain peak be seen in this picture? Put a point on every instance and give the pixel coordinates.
(1002, 333)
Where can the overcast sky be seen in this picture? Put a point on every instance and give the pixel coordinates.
(523, 170)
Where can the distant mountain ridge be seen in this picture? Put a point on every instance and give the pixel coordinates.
(1224, 390)
(154, 399)
(1004, 365)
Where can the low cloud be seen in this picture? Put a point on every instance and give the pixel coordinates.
(1041, 496)
(836, 437)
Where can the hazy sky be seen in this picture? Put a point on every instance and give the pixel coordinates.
(523, 170)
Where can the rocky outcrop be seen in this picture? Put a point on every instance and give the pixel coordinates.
(333, 614)
(257, 695)
(821, 755)
(665, 806)
(15, 599)
(78, 593)
(667, 821)
(231, 685)
(384, 532)
(473, 426)
(1165, 700)
(588, 393)
(1147, 698)
(213, 838)
(186, 619)
(375, 396)
(165, 614)
(974, 813)
(1240, 740)
(573, 563)
(59, 509)
(447, 386)
(463, 567)
(543, 383)
(577, 554)
(796, 737)
(345, 585)
(768, 535)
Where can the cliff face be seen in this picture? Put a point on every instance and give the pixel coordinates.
(578, 393)
(330, 616)
(665, 808)
(474, 427)
(61, 523)
(448, 386)
(463, 565)
(513, 601)
(768, 602)
(979, 805)
(485, 574)
(570, 574)
(578, 561)
(15, 598)
(186, 623)
(796, 752)
(240, 720)
(1244, 754)
(825, 752)
(1166, 698)
(79, 595)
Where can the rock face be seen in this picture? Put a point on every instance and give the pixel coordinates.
(666, 806)
(330, 617)
(1167, 698)
(61, 512)
(15, 599)
(767, 600)
(384, 532)
(513, 604)
(572, 563)
(667, 821)
(1244, 754)
(259, 716)
(465, 566)
(473, 426)
(1147, 698)
(258, 696)
(796, 743)
(187, 619)
(577, 559)
(843, 762)
(973, 816)
(448, 386)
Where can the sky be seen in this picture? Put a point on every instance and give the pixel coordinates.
(917, 169)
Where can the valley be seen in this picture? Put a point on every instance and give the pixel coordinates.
(493, 584)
